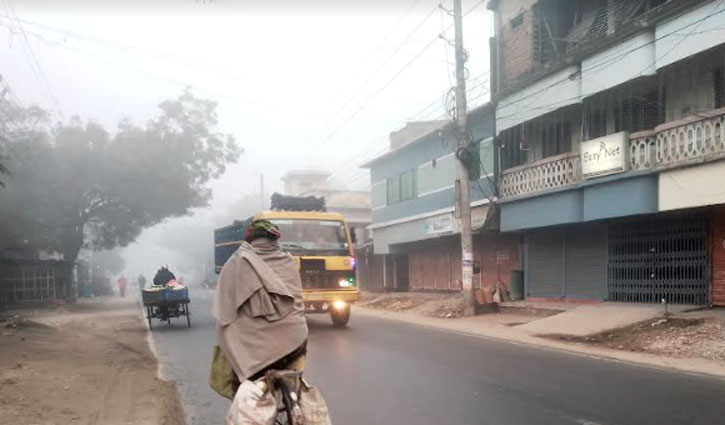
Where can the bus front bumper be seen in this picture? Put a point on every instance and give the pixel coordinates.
(321, 301)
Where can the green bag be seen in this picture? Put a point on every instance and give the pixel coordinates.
(222, 379)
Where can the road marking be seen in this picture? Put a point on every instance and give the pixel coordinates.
(160, 371)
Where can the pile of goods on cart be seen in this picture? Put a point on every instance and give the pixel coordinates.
(167, 298)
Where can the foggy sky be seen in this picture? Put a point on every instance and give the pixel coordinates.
(281, 71)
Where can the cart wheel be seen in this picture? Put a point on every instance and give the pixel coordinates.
(188, 315)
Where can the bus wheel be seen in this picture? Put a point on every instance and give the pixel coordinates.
(340, 317)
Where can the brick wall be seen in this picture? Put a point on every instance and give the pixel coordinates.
(517, 48)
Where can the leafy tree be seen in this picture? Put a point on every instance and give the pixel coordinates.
(100, 190)
(25, 207)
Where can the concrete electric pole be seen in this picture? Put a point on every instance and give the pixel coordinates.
(463, 192)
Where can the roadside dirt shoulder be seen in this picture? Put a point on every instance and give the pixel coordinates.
(504, 328)
(682, 336)
(89, 363)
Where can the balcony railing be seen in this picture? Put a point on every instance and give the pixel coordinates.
(642, 150)
(696, 139)
(692, 140)
(549, 173)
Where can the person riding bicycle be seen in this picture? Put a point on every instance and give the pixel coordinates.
(259, 309)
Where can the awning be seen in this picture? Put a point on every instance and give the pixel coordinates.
(427, 228)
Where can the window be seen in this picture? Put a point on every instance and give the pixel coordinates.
(402, 187)
(485, 152)
(313, 236)
(394, 190)
(556, 138)
(598, 122)
(407, 185)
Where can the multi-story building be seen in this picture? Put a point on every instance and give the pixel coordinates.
(416, 243)
(610, 135)
(353, 204)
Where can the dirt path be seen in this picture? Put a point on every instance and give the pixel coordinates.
(86, 364)
(688, 335)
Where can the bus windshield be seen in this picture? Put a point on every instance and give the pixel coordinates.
(313, 236)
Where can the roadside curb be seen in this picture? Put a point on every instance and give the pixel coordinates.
(693, 366)
(150, 340)
(160, 374)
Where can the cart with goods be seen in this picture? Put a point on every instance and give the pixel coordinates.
(166, 302)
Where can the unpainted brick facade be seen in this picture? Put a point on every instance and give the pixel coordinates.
(517, 47)
(516, 26)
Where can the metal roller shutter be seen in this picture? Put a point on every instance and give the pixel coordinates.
(586, 262)
(662, 257)
(545, 271)
(718, 258)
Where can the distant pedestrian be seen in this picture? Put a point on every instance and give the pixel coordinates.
(122, 285)
(141, 282)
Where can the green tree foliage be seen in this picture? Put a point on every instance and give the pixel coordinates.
(80, 186)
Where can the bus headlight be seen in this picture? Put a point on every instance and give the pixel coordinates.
(339, 305)
(344, 283)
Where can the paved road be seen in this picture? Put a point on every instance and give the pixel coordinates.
(384, 372)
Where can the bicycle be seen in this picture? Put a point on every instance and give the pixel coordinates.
(298, 403)
(287, 400)
(286, 386)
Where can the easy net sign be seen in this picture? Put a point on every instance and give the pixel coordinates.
(605, 155)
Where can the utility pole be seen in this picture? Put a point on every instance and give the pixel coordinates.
(463, 188)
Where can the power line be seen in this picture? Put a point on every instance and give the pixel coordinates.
(381, 145)
(603, 63)
(116, 64)
(387, 36)
(33, 60)
(373, 97)
(381, 89)
(383, 141)
(377, 70)
(156, 54)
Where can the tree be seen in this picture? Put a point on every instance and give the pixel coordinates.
(25, 208)
(103, 190)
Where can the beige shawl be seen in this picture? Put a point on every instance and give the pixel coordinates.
(258, 307)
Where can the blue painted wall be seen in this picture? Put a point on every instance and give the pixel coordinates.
(617, 196)
(422, 151)
(546, 210)
(621, 198)
(427, 148)
(410, 156)
(432, 202)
